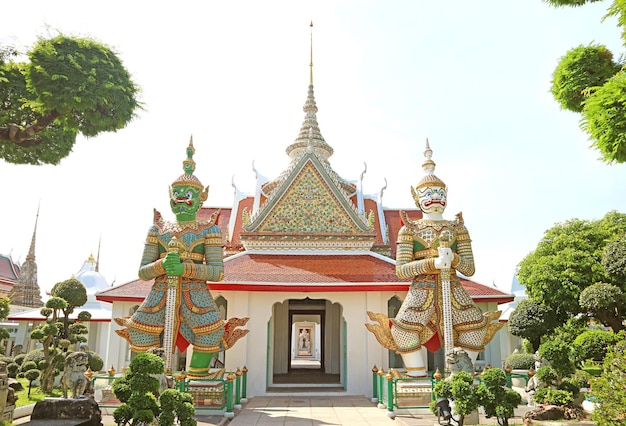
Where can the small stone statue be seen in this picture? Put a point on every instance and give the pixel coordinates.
(459, 360)
(73, 377)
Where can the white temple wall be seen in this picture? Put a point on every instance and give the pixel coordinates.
(104, 330)
(118, 352)
(257, 351)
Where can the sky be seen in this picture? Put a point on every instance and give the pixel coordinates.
(472, 77)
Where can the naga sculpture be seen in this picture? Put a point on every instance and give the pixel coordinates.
(182, 257)
(429, 252)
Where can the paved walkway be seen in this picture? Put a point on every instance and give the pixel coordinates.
(318, 411)
(330, 410)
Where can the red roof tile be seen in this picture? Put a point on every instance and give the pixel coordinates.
(305, 273)
(8, 269)
(309, 268)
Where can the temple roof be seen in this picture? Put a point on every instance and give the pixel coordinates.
(9, 270)
(312, 273)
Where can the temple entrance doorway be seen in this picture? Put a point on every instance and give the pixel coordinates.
(307, 336)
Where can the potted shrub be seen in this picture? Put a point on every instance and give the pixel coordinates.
(519, 363)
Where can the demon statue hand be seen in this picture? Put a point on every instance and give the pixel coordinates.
(197, 320)
(418, 325)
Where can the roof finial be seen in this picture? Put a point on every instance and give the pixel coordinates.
(311, 63)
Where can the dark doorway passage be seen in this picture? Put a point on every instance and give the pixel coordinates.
(303, 341)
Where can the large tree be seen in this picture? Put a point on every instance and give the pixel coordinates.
(568, 260)
(67, 85)
(587, 80)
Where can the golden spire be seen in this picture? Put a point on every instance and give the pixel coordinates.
(311, 63)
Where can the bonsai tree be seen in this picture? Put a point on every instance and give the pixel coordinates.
(59, 331)
(460, 389)
(137, 390)
(175, 404)
(31, 375)
(532, 320)
(494, 398)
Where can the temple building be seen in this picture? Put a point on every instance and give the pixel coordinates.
(306, 257)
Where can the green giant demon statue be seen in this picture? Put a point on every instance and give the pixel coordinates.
(182, 257)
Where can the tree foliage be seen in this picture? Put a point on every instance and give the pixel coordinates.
(581, 68)
(531, 320)
(567, 260)
(561, 3)
(588, 81)
(614, 261)
(69, 85)
(604, 302)
(604, 119)
(593, 344)
(559, 354)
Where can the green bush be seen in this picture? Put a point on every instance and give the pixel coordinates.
(559, 354)
(552, 396)
(580, 378)
(520, 361)
(34, 355)
(95, 361)
(459, 389)
(19, 359)
(593, 344)
(570, 387)
(13, 369)
(547, 375)
(527, 346)
(29, 365)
